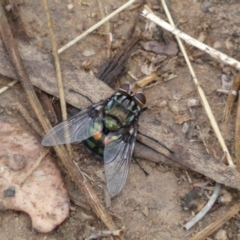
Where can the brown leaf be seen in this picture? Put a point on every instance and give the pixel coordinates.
(179, 119)
(158, 48)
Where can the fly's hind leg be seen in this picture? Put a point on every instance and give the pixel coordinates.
(138, 163)
(156, 142)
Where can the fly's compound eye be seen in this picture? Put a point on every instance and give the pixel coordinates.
(140, 99)
(125, 88)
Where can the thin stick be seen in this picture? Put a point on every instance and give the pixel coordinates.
(237, 135)
(94, 27)
(145, 81)
(3, 89)
(205, 209)
(198, 85)
(210, 229)
(34, 166)
(107, 29)
(231, 97)
(211, 51)
(223, 91)
(57, 67)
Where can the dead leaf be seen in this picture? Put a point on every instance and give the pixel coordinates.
(180, 119)
(158, 48)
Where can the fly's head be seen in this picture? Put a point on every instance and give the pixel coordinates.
(133, 92)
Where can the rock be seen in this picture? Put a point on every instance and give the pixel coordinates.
(42, 195)
(221, 235)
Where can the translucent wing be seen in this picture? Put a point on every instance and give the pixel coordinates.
(117, 157)
(78, 128)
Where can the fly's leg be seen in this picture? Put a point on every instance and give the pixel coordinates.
(138, 163)
(71, 90)
(156, 142)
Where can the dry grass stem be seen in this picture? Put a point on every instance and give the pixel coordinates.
(223, 91)
(231, 97)
(201, 93)
(3, 89)
(205, 209)
(210, 229)
(107, 28)
(86, 189)
(94, 27)
(132, 75)
(35, 165)
(237, 136)
(145, 81)
(191, 41)
(57, 67)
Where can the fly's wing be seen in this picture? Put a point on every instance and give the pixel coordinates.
(78, 128)
(117, 157)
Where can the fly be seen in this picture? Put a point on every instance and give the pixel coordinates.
(107, 128)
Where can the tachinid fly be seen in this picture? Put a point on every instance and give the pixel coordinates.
(107, 128)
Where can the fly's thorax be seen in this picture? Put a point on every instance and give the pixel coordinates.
(95, 126)
(120, 111)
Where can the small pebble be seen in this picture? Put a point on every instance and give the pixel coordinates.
(185, 127)
(174, 107)
(70, 6)
(88, 53)
(10, 192)
(163, 104)
(15, 162)
(221, 235)
(226, 82)
(192, 102)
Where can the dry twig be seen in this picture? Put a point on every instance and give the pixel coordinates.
(231, 97)
(145, 81)
(107, 29)
(57, 67)
(237, 135)
(3, 89)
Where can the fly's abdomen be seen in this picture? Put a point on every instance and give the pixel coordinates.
(95, 144)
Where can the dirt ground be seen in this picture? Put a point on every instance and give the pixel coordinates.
(148, 207)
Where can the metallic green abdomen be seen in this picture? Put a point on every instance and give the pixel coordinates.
(95, 146)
